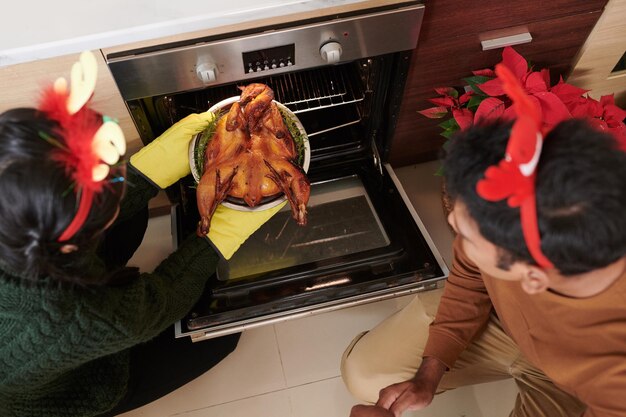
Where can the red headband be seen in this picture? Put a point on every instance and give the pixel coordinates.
(514, 177)
(88, 145)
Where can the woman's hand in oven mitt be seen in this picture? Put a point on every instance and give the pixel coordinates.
(230, 228)
(166, 159)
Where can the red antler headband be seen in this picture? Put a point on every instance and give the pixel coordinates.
(89, 144)
(514, 177)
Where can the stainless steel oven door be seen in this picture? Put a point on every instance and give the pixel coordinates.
(364, 242)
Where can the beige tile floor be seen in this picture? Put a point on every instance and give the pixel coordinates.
(291, 369)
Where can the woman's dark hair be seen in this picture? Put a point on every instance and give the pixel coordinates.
(580, 187)
(37, 202)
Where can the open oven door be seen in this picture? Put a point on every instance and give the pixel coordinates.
(364, 242)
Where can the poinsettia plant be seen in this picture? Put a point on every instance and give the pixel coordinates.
(484, 100)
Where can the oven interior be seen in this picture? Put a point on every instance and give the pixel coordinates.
(334, 103)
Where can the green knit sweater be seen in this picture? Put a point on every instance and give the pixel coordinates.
(65, 352)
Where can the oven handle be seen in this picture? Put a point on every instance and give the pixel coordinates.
(201, 335)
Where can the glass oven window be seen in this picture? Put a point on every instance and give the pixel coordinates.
(341, 222)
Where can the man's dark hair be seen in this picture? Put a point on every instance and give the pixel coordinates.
(580, 187)
(37, 202)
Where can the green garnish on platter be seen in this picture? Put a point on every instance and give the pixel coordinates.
(296, 134)
(203, 142)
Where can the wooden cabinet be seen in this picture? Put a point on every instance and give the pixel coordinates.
(450, 48)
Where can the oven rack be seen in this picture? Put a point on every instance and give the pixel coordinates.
(300, 91)
(315, 89)
(318, 89)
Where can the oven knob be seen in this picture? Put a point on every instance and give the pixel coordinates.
(331, 52)
(207, 72)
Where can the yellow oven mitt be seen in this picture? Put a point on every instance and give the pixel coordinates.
(166, 159)
(230, 228)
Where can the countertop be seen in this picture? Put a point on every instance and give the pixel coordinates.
(32, 32)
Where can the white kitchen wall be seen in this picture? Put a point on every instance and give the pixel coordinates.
(31, 30)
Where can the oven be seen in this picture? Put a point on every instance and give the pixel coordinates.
(343, 76)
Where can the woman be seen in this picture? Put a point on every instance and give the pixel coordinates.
(80, 333)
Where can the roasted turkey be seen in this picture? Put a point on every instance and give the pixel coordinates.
(250, 156)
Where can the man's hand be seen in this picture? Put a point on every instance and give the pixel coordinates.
(370, 411)
(416, 393)
(408, 395)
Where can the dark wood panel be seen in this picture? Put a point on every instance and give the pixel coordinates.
(555, 44)
(444, 19)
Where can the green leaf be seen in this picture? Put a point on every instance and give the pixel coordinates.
(296, 134)
(203, 141)
(475, 101)
(475, 80)
(449, 124)
(448, 133)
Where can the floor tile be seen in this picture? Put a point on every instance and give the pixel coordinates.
(311, 347)
(275, 404)
(254, 368)
(328, 398)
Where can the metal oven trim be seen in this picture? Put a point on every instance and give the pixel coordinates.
(199, 335)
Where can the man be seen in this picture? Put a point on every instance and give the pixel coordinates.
(542, 300)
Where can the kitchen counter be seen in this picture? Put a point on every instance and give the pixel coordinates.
(67, 27)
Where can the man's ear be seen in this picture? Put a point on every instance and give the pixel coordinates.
(534, 280)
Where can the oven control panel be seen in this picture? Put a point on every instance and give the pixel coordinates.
(269, 58)
(198, 63)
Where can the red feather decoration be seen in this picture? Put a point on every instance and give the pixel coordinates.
(78, 131)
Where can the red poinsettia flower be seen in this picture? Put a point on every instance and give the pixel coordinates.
(536, 85)
(604, 115)
(485, 100)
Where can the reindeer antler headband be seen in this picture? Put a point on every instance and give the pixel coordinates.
(90, 144)
(514, 177)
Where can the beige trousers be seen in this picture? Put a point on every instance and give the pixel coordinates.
(392, 352)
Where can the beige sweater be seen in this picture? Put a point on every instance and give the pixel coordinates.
(580, 343)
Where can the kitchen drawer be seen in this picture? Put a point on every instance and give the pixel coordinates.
(555, 44)
(445, 19)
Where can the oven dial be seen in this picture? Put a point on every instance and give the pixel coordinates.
(207, 72)
(331, 52)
